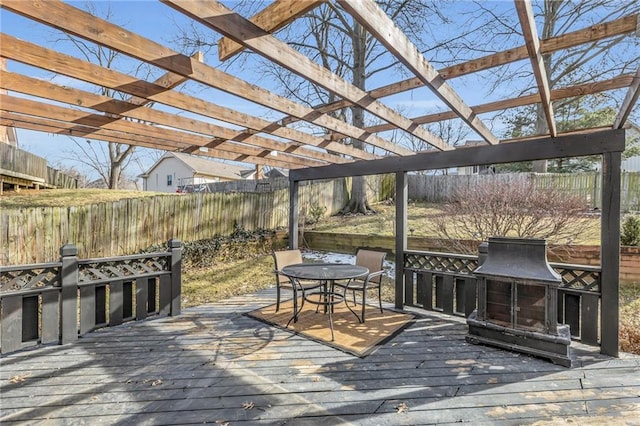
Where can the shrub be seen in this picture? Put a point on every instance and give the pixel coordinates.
(510, 209)
(315, 213)
(241, 244)
(630, 233)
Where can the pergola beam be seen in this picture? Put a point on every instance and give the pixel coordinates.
(630, 100)
(575, 144)
(219, 18)
(528, 24)
(273, 17)
(40, 124)
(82, 24)
(382, 27)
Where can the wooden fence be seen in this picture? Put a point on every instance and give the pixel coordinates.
(23, 168)
(439, 188)
(59, 301)
(34, 235)
(22, 162)
(58, 179)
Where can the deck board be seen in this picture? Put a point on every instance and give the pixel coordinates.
(213, 364)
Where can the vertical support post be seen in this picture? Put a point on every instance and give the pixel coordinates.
(69, 294)
(610, 253)
(175, 247)
(401, 235)
(293, 214)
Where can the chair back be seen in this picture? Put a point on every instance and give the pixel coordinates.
(372, 260)
(284, 258)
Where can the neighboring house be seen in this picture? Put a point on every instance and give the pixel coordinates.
(178, 172)
(276, 173)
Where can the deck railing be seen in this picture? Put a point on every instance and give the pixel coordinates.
(445, 282)
(58, 302)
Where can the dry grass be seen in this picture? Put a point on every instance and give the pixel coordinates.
(225, 279)
(420, 223)
(630, 318)
(69, 197)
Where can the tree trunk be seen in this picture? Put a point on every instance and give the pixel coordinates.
(540, 166)
(358, 202)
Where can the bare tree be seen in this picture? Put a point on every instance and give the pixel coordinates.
(495, 208)
(332, 38)
(109, 162)
(584, 63)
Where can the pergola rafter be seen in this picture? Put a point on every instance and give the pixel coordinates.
(69, 19)
(629, 102)
(218, 17)
(271, 18)
(528, 24)
(371, 17)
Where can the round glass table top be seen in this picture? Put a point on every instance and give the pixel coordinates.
(324, 271)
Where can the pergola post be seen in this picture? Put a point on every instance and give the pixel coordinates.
(401, 235)
(293, 213)
(610, 253)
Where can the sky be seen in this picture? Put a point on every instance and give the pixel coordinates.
(160, 23)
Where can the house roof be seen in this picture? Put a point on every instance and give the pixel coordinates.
(259, 139)
(207, 166)
(204, 166)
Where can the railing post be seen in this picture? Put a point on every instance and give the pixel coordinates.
(175, 247)
(69, 293)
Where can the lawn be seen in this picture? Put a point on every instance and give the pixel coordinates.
(419, 223)
(69, 197)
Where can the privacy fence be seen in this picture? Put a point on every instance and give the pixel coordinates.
(34, 235)
(439, 188)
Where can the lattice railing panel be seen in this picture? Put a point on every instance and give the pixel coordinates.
(578, 279)
(441, 262)
(36, 277)
(104, 270)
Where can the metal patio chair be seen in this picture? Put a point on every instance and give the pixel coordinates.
(372, 260)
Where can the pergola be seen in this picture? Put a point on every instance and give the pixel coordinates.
(307, 156)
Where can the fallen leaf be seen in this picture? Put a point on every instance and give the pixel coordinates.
(248, 405)
(156, 382)
(18, 379)
(402, 408)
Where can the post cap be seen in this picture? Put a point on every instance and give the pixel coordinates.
(68, 250)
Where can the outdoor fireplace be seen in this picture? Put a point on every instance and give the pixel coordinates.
(518, 301)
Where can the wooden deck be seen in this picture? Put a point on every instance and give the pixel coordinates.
(214, 365)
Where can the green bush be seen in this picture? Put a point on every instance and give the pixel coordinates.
(315, 213)
(630, 234)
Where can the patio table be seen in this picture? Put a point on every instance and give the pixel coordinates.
(327, 274)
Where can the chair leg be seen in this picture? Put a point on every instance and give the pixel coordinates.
(364, 302)
(277, 297)
(380, 297)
